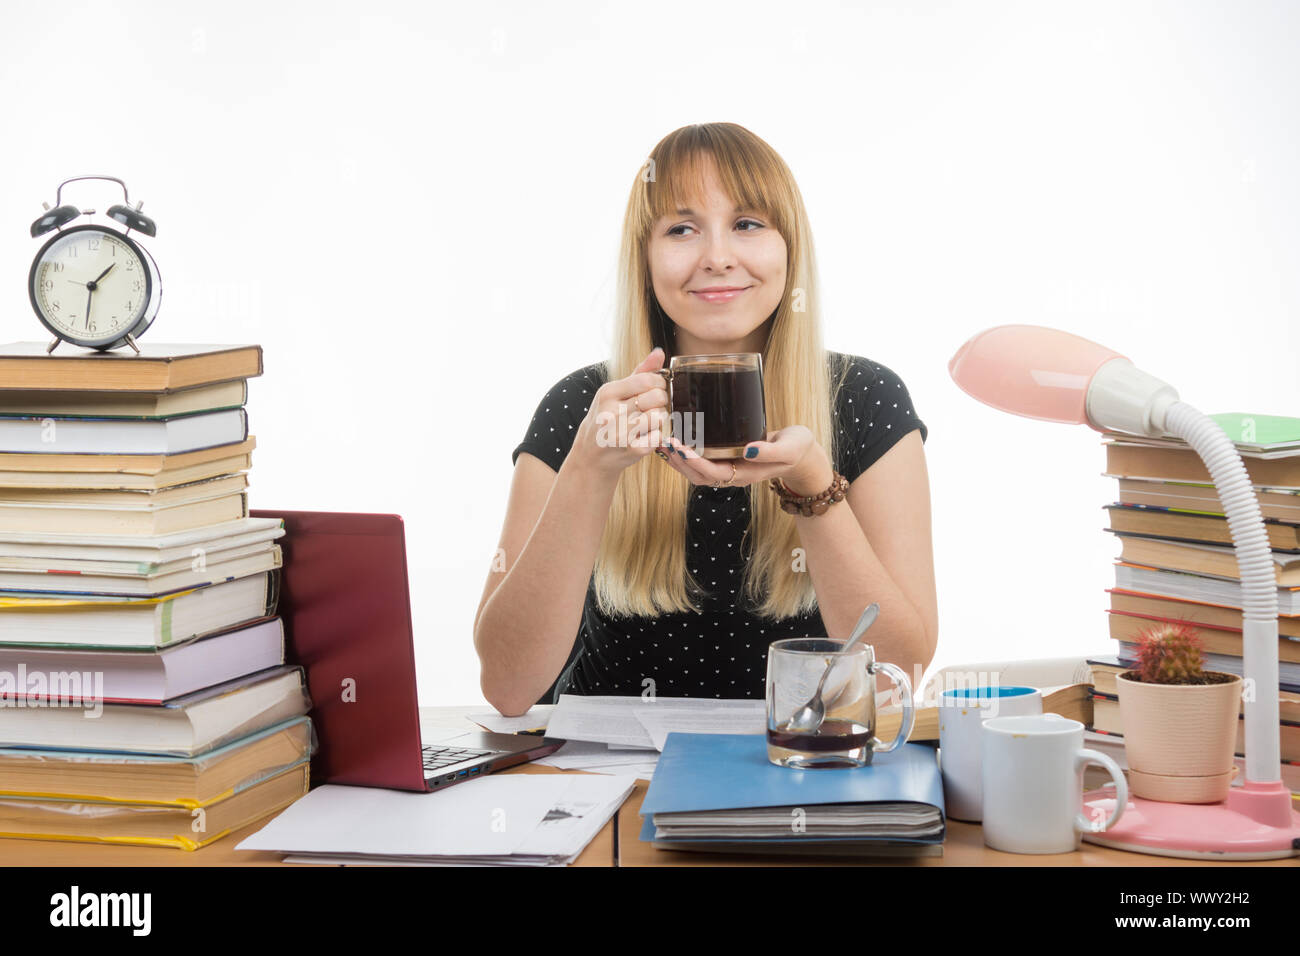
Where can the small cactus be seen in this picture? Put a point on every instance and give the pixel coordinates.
(1171, 653)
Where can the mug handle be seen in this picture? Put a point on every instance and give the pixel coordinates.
(1081, 759)
(667, 375)
(904, 688)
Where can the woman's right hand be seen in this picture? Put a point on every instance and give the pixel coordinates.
(601, 441)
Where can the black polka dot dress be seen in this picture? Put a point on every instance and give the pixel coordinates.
(720, 651)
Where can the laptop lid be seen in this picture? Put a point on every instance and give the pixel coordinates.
(346, 607)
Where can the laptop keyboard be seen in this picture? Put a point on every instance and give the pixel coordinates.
(435, 758)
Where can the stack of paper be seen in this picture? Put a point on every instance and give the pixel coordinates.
(499, 820)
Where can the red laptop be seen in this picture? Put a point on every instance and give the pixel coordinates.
(347, 615)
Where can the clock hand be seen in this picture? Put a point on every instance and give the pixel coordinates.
(104, 273)
(89, 296)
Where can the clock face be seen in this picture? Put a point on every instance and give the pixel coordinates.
(90, 285)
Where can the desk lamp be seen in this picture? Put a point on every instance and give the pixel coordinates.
(1055, 376)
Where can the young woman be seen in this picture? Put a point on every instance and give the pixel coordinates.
(638, 567)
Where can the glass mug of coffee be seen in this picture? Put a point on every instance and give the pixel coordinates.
(718, 402)
(847, 736)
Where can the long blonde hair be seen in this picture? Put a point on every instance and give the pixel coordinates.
(641, 562)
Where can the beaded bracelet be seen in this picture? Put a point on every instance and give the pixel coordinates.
(812, 504)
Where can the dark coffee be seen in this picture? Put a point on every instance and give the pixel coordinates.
(833, 735)
(730, 398)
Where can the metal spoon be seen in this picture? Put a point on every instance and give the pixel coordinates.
(808, 718)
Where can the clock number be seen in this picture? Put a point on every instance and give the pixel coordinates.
(54, 307)
(72, 251)
(56, 267)
(113, 250)
(90, 326)
(47, 285)
(135, 286)
(130, 306)
(130, 265)
(94, 245)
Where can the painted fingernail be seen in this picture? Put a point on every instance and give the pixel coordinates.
(661, 454)
(751, 452)
(680, 452)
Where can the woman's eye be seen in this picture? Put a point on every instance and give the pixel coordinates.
(674, 230)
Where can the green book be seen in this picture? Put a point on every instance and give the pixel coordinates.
(1259, 432)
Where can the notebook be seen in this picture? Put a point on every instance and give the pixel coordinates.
(715, 791)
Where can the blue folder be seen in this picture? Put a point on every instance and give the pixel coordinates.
(699, 772)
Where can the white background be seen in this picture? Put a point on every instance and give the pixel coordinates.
(415, 209)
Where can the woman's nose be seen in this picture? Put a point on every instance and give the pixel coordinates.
(717, 253)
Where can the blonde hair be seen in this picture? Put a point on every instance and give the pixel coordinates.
(640, 566)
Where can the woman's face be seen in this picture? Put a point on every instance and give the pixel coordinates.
(714, 246)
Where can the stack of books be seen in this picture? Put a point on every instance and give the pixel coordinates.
(1177, 561)
(718, 793)
(144, 695)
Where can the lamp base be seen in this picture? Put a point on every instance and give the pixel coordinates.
(1256, 822)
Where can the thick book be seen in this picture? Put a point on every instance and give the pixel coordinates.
(1220, 562)
(76, 675)
(1128, 628)
(1133, 460)
(149, 824)
(722, 787)
(141, 405)
(1280, 504)
(134, 499)
(1186, 586)
(88, 621)
(184, 574)
(1136, 604)
(97, 436)
(186, 726)
(156, 778)
(122, 472)
(139, 553)
(160, 367)
(100, 519)
(1166, 523)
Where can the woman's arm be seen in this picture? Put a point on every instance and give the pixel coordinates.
(532, 605)
(532, 609)
(878, 549)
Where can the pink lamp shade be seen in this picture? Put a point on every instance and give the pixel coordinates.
(1030, 370)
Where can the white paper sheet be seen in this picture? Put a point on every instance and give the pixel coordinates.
(491, 815)
(537, 716)
(583, 806)
(735, 720)
(616, 721)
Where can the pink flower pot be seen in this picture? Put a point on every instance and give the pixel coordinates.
(1179, 738)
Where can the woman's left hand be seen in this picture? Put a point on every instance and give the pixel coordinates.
(790, 454)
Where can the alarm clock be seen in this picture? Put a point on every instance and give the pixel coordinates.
(94, 285)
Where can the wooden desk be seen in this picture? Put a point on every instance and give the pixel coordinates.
(964, 846)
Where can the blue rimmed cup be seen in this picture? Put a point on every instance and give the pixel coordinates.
(962, 712)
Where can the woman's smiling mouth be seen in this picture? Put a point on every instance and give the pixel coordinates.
(719, 293)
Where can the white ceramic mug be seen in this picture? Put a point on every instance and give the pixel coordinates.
(1033, 784)
(962, 712)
